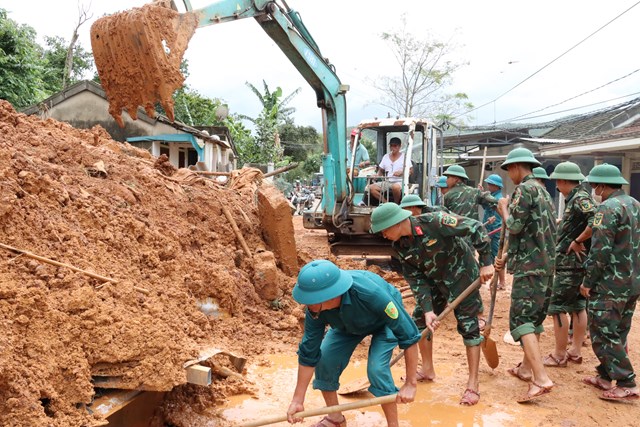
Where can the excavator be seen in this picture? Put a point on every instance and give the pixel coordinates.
(138, 54)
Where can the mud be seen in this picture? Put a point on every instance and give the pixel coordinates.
(165, 243)
(138, 54)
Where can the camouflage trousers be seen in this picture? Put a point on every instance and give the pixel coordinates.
(609, 325)
(565, 296)
(529, 304)
(466, 313)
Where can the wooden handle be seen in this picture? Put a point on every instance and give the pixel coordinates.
(324, 411)
(493, 286)
(236, 230)
(484, 162)
(280, 170)
(448, 309)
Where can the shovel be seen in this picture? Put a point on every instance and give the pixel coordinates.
(323, 411)
(362, 383)
(488, 346)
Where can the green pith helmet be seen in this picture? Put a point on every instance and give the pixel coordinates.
(412, 200)
(540, 173)
(567, 170)
(495, 180)
(456, 170)
(320, 281)
(387, 215)
(442, 182)
(605, 174)
(519, 155)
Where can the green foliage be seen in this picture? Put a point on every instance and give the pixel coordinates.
(55, 56)
(21, 65)
(298, 141)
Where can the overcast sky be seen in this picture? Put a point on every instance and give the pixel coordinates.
(507, 43)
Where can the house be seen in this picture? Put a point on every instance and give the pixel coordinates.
(610, 135)
(84, 105)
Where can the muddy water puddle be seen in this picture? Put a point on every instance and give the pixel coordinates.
(436, 403)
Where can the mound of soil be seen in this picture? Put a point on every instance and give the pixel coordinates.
(84, 200)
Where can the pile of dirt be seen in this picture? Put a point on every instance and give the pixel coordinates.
(82, 199)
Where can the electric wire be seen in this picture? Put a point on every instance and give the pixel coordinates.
(551, 62)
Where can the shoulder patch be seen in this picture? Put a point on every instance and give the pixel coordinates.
(597, 219)
(586, 205)
(391, 310)
(449, 220)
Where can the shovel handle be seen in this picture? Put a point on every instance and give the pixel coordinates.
(324, 411)
(493, 286)
(448, 309)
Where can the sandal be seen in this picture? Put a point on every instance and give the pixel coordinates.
(573, 359)
(470, 397)
(596, 382)
(515, 371)
(529, 397)
(552, 362)
(628, 394)
(321, 423)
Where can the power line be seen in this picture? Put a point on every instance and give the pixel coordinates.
(554, 60)
(569, 99)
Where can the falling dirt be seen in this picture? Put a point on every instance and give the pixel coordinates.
(138, 54)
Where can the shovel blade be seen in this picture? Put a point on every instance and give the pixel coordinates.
(355, 386)
(490, 352)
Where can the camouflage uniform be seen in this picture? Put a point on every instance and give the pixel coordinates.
(531, 256)
(612, 272)
(578, 214)
(439, 265)
(488, 213)
(464, 200)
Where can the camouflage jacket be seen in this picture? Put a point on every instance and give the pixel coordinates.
(532, 230)
(437, 250)
(613, 266)
(578, 214)
(464, 200)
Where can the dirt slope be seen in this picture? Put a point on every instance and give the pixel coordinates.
(130, 222)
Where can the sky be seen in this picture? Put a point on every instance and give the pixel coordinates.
(521, 56)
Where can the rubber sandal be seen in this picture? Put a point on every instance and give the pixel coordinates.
(595, 382)
(321, 423)
(552, 362)
(515, 371)
(628, 395)
(470, 397)
(574, 359)
(529, 397)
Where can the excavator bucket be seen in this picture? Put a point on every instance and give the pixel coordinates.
(138, 54)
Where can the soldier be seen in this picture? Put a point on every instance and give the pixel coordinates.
(492, 220)
(612, 282)
(438, 267)
(414, 204)
(573, 243)
(540, 175)
(462, 199)
(355, 304)
(530, 221)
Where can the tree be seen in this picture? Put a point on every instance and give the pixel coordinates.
(21, 63)
(274, 113)
(298, 141)
(72, 50)
(55, 74)
(425, 72)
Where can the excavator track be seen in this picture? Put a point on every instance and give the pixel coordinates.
(138, 54)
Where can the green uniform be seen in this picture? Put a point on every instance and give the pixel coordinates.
(578, 214)
(531, 256)
(612, 272)
(464, 200)
(371, 306)
(439, 265)
(488, 213)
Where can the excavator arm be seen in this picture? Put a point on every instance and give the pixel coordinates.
(138, 55)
